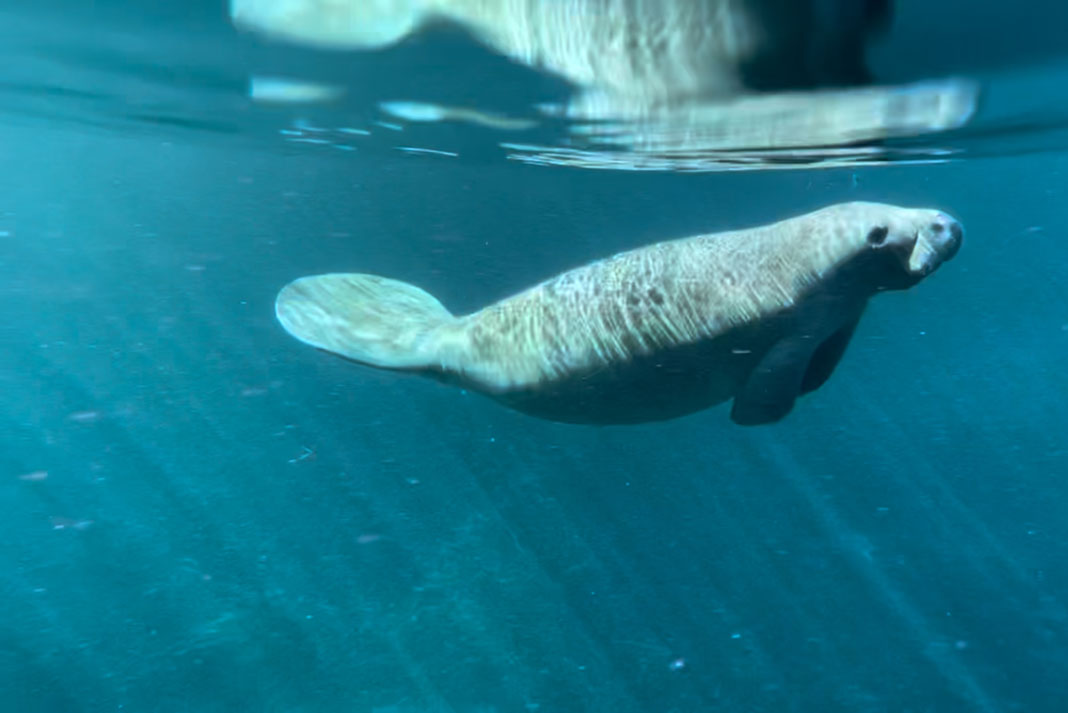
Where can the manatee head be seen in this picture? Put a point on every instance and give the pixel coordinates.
(903, 245)
(921, 242)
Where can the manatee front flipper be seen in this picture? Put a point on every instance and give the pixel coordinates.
(827, 356)
(792, 367)
(774, 384)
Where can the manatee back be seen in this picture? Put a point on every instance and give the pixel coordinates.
(642, 302)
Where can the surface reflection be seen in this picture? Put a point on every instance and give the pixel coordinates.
(669, 84)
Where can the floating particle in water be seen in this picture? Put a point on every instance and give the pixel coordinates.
(84, 416)
(307, 140)
(305, 454)
(678, 664)
(34, 475)
(66, 523)
(435, 152)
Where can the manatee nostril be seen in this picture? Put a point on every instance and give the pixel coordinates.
(939, 226)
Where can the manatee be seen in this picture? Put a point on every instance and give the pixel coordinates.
(760, 315)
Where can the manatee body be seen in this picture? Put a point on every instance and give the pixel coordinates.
(760, 316)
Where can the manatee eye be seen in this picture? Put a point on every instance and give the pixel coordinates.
(878, 235)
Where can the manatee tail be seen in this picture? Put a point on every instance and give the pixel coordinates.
(356, 24)
(366, 318)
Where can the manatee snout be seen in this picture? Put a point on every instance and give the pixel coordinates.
(936, 242)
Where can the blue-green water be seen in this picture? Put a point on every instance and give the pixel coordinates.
(200, 514)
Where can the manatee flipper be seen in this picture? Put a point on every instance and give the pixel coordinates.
(774, 384)
(366, 318)
(827, 356)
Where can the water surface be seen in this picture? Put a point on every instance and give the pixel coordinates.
(203, 515)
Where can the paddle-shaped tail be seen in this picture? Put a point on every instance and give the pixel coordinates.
(366, 318)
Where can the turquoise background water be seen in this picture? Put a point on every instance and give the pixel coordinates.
(231, 521)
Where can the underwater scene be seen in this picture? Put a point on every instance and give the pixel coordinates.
(537, 356)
